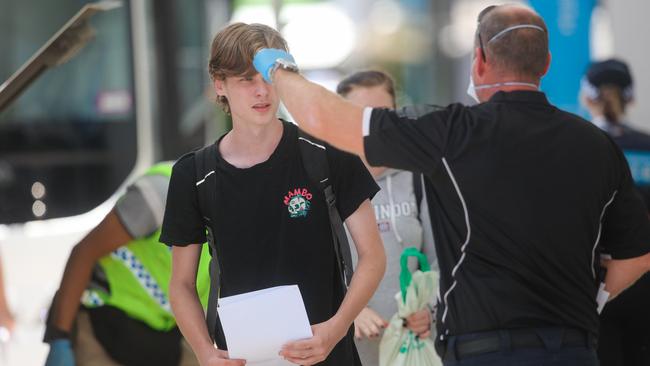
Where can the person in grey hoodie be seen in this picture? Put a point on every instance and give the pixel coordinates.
(400, 211)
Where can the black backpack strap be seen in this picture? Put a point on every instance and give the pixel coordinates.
(205, 160)
(314, 159)
(417, 190)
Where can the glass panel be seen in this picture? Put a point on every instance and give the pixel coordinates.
(73, 130)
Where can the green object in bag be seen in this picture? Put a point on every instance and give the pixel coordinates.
(399, 346)
(405, 275)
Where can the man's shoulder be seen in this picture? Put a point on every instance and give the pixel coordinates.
(421, 110)
(579, 125)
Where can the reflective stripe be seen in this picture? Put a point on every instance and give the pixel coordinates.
(145, 279)
(600, 229)
(204, 178)
(152, 199)
(462, 248)
(313, 143)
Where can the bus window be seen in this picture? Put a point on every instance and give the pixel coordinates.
(69, 141)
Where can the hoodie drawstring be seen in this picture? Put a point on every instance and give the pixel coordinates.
(389, 188)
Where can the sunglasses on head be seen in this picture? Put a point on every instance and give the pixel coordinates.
(481, 15)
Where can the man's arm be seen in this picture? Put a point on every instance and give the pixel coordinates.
(320, 112)
(366, 278)
(187, 307)
(414, 139)
(622, 273)
(109, 235)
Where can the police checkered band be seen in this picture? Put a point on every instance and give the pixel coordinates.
(91, 299)
(145, 279)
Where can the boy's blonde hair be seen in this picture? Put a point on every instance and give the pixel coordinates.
(233, 49)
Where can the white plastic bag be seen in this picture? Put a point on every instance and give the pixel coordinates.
(399, 346)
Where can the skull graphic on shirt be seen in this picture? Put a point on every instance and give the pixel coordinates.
(298, 206)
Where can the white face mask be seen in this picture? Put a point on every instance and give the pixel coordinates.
(471, 88)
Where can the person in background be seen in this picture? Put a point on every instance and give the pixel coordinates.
(400, 210)
(606, 92)
(121, 274)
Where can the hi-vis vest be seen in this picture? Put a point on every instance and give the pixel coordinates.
(138, 275)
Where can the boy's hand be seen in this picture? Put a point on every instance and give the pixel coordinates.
(315, 349)
(220, 358)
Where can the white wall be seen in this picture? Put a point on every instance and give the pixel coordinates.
(631, 39)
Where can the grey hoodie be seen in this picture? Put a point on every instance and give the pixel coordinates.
(397, 219)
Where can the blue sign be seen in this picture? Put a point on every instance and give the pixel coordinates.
(639, 162)
(569, 26)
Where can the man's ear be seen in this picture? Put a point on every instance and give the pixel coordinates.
(479, 61)
(548, 63)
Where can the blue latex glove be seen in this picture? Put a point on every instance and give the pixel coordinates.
(60, 353)
(264, 61)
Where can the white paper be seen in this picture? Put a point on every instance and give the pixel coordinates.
(602, 297)
(257, 324)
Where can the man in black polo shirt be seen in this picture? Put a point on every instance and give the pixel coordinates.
(516, 227)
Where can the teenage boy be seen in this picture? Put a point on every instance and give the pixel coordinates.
(271, 225)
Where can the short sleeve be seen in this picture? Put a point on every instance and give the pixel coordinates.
(410, 138)
(351, 181)
(141, 208)
(182, 223)
(626, 226)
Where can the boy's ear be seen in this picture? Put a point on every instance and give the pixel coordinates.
(219, 87)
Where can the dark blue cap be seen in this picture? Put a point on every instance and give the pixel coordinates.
(608, 72)
(615, 72)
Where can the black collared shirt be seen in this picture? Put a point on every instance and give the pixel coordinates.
(515, 223)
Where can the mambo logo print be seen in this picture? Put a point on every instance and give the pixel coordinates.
(298, 202)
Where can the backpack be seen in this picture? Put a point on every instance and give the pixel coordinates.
(314, 159)
(418, 189)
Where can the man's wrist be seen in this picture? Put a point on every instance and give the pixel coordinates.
(267, 60)
(53, 333)
(282, 64)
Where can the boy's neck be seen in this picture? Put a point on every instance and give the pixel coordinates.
(247, 145)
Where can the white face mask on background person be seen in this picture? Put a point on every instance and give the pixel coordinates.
(471, 88)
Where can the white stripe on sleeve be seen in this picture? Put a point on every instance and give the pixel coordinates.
(365, 124)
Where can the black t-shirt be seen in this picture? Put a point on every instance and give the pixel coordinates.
(272, 225)
(515, 225)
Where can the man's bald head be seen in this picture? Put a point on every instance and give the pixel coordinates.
(522, 52)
